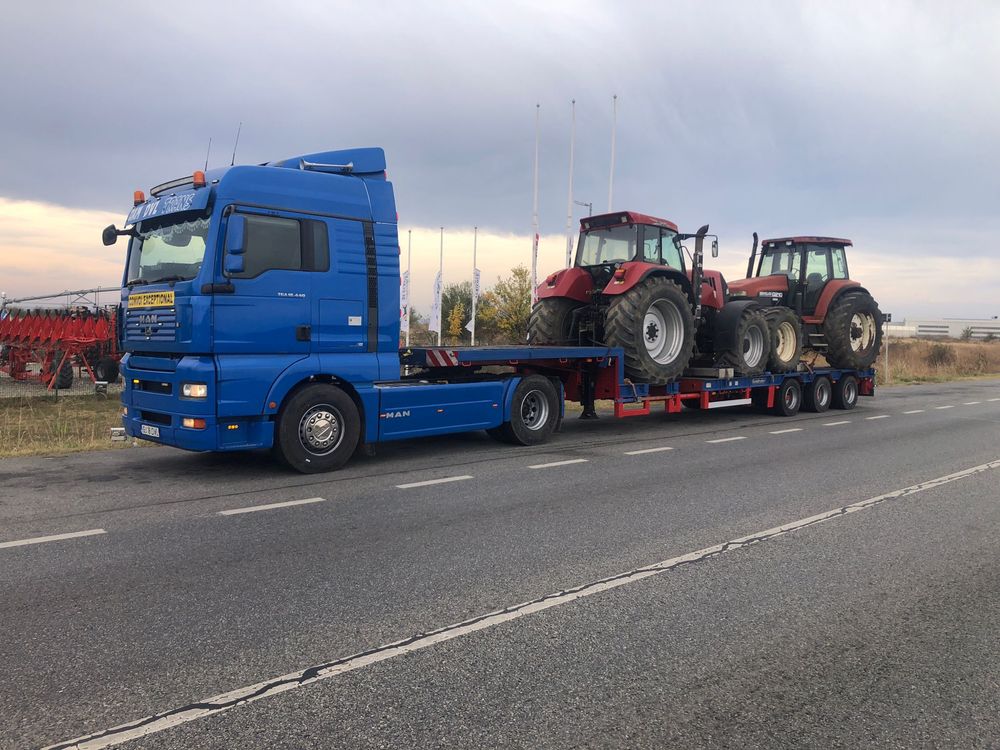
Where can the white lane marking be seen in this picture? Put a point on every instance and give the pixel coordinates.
(877, 416)
(834, 424)
(971, 403)
(268, 688)
(648, 450)
(790, 429)
(429, 482)
(944, 407)
(727, 440)
(52, 538)
(271, 506)
(559, 463)
(913, 411)
(993, 399)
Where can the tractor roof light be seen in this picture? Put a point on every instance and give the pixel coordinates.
(198, 179)
(138, 198)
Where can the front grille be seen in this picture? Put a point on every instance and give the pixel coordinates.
(154, 417)
(151, 325)
(154, 386)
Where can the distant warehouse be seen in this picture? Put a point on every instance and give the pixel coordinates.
(946, 328)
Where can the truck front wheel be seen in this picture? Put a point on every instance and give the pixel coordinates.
(318, 429)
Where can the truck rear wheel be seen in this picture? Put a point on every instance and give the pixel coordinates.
(318, 429)
(845, 393)
(534, 413)
(653, 324)
(786, 339)
(751, 344)
(853, 331)
(551, 321)
(818, 395)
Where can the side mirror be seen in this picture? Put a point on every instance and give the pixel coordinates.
(235, 235)
(715, 248)
(234, 264)
(110, 235)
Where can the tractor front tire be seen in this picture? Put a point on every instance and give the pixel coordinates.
(752, 344)
(786, 339)
(853, 331)
(654, 325)
(551, 321)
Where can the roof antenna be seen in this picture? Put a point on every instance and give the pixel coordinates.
(237, 143)
(208, 152)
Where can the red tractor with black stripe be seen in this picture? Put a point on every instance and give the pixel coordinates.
(631, 288)
(805, 282)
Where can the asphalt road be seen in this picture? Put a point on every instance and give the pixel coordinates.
(578, 594)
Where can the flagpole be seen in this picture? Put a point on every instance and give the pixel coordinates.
(475, 285)
(569, 201)
(440, 284)
(534, 214)
(611, 173)
(409, 266)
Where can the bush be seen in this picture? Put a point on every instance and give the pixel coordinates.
(940, 355)
(966, 334)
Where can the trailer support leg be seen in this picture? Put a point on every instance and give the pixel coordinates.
(587, 400)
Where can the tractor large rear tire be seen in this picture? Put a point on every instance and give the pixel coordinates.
(853, 331)
(786, 339)
(752, 344)
(551, 321)
(654, 325)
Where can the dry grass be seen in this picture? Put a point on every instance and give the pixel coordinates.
(922, 361)
(45, 425)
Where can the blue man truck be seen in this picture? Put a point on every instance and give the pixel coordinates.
(260, 310)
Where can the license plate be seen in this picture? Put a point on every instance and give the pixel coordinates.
(148, 429)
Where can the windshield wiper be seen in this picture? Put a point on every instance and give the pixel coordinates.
(133, 282)
(172, 277)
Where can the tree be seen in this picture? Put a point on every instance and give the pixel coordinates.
(456, 322)
(966, 334)
(510, 299)
(453, 296)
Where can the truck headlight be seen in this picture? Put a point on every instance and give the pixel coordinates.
(194, 390)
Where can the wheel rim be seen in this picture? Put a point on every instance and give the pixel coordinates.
(663, 332)
(534, 410)
(791, 398)
(862, 331)
(850, 392)
(321, 429)
(785, 348)
(822, 390)
(753, 346)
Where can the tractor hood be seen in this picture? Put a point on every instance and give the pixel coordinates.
(754, 286)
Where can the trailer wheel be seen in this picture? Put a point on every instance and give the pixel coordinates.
(845, 393)
(788, 398)
(551, 321)
(786, 339)
(534, 412)
(818, 395)
(654, 325)
(318, 429)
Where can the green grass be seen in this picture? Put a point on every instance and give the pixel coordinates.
(47, 425)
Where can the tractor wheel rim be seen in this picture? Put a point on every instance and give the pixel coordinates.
(321, 429)
(753, 346)
(862, 331)
(663, 332)
(534, 410)
(785, 349)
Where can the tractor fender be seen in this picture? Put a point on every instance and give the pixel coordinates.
(637, 273)
(727, 321)
(833, 291)
(571, 283)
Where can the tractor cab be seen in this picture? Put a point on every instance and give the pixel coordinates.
(610, 241)
(794, 271)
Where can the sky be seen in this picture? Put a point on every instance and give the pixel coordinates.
(872, 120)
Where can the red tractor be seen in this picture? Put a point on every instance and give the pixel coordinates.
(805, 282)
(631, 288)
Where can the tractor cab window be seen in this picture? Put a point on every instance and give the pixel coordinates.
(839, 261)
(614, 244)
(817, 265)
(658, 247)
(779, 260)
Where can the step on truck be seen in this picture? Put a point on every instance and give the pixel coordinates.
(260, 310)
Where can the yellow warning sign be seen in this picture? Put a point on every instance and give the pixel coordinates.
(151, 299)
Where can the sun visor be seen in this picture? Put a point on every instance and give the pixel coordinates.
(188, 200)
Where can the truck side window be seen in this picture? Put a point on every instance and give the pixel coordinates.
(272, 243)
(315, 246)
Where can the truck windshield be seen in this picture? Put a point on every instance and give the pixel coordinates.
(615, 244)
(167, 251)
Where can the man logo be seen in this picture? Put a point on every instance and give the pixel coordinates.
(396, 414)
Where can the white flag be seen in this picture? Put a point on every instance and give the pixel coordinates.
(534, 271)
(475, 283)
(435, 323)
(404, 302)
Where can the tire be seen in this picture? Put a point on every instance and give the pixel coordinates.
(845, 392)
(748, 356)
(64, 378)
(818, 395)
(551, 321)
(107, 369)
(853, 331)
(786, 339)
(534, 412)
(654, 325)
(788, 398)
(318, 429)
